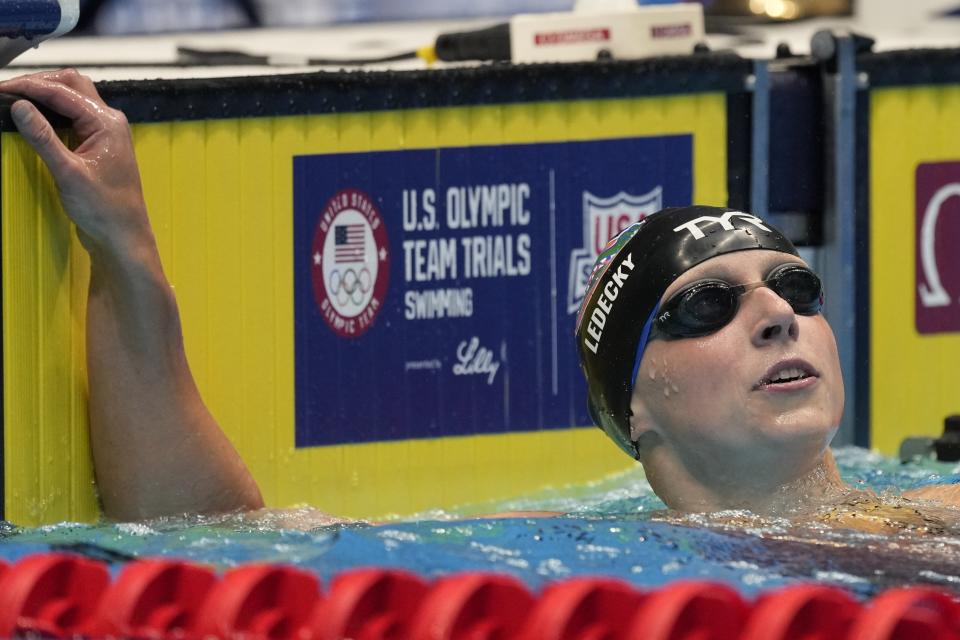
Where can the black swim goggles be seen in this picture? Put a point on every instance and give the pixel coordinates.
(709, 305)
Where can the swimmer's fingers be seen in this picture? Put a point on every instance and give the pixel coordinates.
(40, 135)
(75, 80)
(70, 77)
(86, 112)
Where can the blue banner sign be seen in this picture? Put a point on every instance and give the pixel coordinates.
(436, 290)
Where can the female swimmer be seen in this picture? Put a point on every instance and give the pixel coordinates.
(708, 360)
(706, 355)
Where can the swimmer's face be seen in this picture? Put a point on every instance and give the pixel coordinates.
(711, 398)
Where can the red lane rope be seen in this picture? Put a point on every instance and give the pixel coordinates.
(59, 595)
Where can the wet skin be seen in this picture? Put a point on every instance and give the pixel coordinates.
(707, 404)
(714, 434)
(157, 450)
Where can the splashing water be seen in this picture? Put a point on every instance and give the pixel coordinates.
(615, 527)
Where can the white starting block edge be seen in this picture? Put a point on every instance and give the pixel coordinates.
(892, 26)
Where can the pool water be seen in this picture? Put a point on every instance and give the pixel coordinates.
(614, 527)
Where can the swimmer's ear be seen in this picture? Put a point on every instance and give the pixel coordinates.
(644, 431)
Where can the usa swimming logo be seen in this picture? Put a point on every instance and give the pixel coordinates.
(350, 263)
(603, 219)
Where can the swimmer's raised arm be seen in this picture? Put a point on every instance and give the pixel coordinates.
(157, 449)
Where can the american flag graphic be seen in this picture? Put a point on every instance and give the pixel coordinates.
(349, 243)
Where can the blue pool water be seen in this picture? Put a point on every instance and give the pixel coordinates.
(615, 527)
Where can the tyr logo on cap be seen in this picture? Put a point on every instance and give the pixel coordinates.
(724, 221)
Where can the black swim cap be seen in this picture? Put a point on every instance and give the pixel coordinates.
(625, 288)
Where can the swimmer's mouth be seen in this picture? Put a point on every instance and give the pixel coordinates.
(789, 373)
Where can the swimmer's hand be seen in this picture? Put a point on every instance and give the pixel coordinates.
(157, 450)
(99, 181)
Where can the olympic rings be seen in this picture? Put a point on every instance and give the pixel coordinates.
(350, 286)
(335, 281)
(350, 281)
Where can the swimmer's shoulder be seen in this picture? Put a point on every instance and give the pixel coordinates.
(943, 494)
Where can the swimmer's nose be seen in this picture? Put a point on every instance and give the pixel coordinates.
(775, 319)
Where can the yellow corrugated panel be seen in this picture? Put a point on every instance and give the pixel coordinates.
(254, 270)
(224, 290)
(284, 479)
(189, 241)
(914, 378)
(220, 198)
(47, 470)
(452, 127)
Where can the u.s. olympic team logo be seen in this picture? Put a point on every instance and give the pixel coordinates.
(351, 265)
